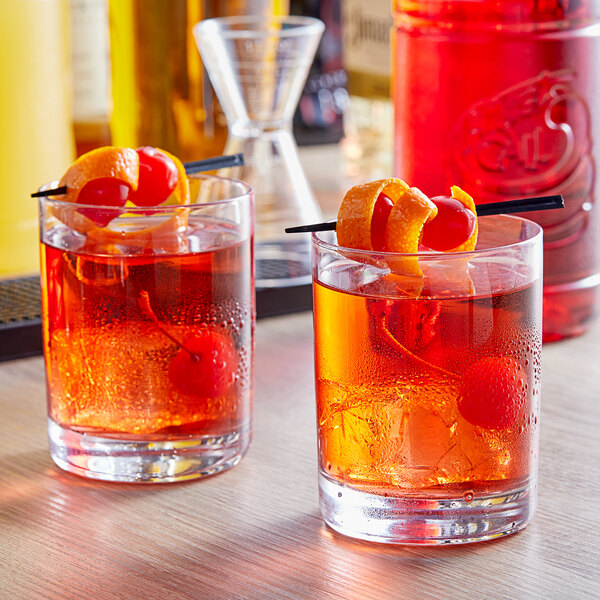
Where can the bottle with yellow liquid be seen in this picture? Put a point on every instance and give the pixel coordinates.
(369, 118)
(161, 93)
(91, 73)
(36, 143)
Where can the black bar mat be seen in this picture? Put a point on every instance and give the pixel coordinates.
(20, 318)
(21, 322)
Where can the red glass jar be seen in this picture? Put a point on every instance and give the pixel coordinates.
(502, 99)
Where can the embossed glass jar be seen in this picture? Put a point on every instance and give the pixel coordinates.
(503, 99)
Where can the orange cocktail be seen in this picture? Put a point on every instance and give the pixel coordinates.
(427, 373)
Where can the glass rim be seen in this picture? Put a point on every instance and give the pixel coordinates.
(319, 242)
(301, 25)
(161, 208)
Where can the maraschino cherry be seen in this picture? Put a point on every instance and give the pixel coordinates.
(381, 213)
(104, 191)
(158, 178)
(205, 365)
(452, 226)
(493, 392)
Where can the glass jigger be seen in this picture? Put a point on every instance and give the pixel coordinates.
(258, 67)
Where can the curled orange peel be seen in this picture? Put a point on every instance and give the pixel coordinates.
(410, 212)
(107, 161)
(468, 203)
(406, 220)
(181, 193)
(356, 211)
(403, 231)
(123, 163)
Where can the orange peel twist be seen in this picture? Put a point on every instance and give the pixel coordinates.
(468, 203)
(123, 164)
(356, 211)
(410, 212)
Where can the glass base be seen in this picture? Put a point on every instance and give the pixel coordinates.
(145, 461)
(570, 309)
(412, 520)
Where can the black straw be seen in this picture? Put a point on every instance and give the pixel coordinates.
(493, 208)
(197, 166)
(211, 164)
(522, 205)
(59, 191)
(328, 226)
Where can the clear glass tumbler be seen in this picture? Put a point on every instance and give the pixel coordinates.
(428, 387)
(148, 323)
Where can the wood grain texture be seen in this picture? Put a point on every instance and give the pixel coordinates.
(255, 532)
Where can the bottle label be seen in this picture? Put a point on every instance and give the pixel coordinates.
(366, 46)
(89, 59)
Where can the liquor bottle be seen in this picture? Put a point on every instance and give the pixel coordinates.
(36, 144)
(91, 73)
(161, 93)
(368, 120)
(319, 117)
(501, 99)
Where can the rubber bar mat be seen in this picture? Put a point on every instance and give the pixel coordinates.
(21, 319)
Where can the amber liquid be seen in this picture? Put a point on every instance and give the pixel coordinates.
(107, 353)
(161, 94)
(500, 98)
(388, 376)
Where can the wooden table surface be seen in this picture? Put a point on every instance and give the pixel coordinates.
(254, 532)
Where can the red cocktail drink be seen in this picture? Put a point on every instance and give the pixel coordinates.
(148, 333)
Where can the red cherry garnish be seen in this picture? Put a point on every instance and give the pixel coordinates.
(104, 191)
(452, 226)
(157, 180)
(381, 213)
(206, 364)
(493, 392)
